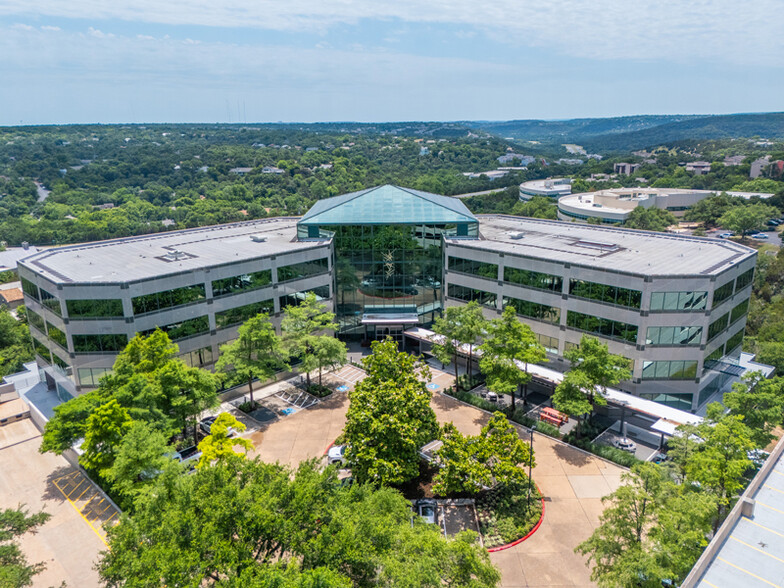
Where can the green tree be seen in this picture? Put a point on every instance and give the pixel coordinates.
(747, 219)
(459, 325)
(650, 219)
(69, 422)
(594, 369)
(15, 344)
(509, 346)
(537, 207)
(761, 404)
(219, 445)
(106, 427)
(709, 210)
(467, 463)
(15, 570)
(256, 353)
(303, 329)
(389, 418)
(188, 392)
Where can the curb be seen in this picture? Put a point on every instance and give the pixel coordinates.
(527, 535)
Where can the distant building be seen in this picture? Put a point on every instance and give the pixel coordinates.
(699, 168)
(626, 169)
(510, 157)
(758, 165)
(240, 171)
(552, 188)
(269, 169)
(11, 298)
(490, 175)
(731, 160)
(776, 169)
(570, 161)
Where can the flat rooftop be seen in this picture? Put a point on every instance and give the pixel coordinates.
(144, 257)
(630, 251)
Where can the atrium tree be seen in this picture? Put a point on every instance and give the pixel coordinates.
(459, 326)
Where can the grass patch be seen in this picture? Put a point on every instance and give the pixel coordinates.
(504, 515)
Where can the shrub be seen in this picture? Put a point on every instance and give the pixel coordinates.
(319, 391)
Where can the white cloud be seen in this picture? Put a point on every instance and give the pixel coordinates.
(50, 28)
(602, 29)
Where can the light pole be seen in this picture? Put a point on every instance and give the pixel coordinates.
(530, 462)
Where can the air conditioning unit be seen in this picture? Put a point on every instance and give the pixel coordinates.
(258, 238)
(516, 235)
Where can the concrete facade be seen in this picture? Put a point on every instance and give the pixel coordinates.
(551, 188)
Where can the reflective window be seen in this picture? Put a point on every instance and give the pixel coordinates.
(533, 279)
(734, 341)
(675, 301)
(241, 283)
(168, 299)
(236, 316)
(549, 343)
(322, 293)
(99, 343)
(30, 289)
(679, 401)
(183, 329)
(739, 311)
(673, 336)
(94, 308)
(62, 365)
(604, 293)
(302, 270)
(198, 358)
(42, 350)
(90, 377)
(744, 280)
(602, 326)
(470, 294)
(50, 302)
(669, 370)
(56, 335)
(717, 326)
(715, 355)
(36, 320)
(476, 268)
(533, 310)
(721, 293)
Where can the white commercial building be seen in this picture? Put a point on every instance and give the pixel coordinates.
(551, 188)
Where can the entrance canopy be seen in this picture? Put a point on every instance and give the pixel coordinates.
(390, 318)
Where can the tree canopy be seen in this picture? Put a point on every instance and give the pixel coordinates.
(15, 570)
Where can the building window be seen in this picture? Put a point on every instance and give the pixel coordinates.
(30, 289)
(183, 329)
(36, 320)
(236, 316)
(717, 326)
(295, 299)
(549, 343)
(475, 268)
(198, 358)
(90, 377)
(50, 302)
(62, 366)
(721, 293)
(533, 279)
(241, 283)
(673, 336)
(602, 326)
(99, 343)
(542, 312)
(669, 370)
(679, 401)
(734, 341)
(56, 335)
(42, 350)
(107, 308)
(605, 294)
(470, 295)
(739, 311)
(715, 355)
(168, 299)
(675, 301)
(302, 270)
(744, 280)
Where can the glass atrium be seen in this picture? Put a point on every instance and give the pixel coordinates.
(389, 255)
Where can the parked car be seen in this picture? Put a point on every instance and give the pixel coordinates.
(661, 458)
(427, 510)
(759, 236)
(725, 235)
(625, 444)
(206, 425)
(336, 455)
(774, 222)
(189, 456)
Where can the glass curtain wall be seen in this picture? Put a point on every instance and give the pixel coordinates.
(387, 269)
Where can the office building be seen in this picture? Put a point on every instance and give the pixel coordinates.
(550, 188)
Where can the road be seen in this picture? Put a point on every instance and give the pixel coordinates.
(43, 193)
(482, 193)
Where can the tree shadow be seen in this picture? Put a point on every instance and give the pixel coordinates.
(571, 455)
(52, 492)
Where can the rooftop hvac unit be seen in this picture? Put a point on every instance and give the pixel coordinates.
(258, 238)
(517, 235)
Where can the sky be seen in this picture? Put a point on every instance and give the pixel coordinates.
(146, 61)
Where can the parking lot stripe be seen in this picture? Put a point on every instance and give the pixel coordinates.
(770, 507)
(747, 519)
(745, 571)
(76, 508)
(772, 488)
(763, 552)
(704, 581)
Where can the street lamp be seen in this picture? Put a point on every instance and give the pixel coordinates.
(624, 404)
(530, 462)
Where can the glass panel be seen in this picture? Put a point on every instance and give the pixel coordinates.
(322, 293)
(669, 370)
(241, 283)
(605, 293)
(183, 329)
(533, 279)
(722, 293)
(657, 300)
(717, 326)
(476, 268)
(734, 342)
(50, 302)
(302, 270)
(469, 294)
(42, 350)
(36, 320)
(534, 310)
(235, 316)
(168, 299)
(602, 326)
(739, 311)
(94, 308)
(99, 343)
(56, 335)
(30, 289)
(91, 377)
(744, 280)
(198, 358)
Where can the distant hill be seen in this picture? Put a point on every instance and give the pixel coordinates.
(636, 132)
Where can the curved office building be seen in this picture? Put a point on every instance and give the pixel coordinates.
(390, 258)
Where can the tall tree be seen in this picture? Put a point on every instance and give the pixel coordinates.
(509, 346)
(459, 325)
(15, 570)
(106, 427)
(189, 392)
(256, 354)
(219, 445)
(303, 327)
(747, 219)
(761, 404)
(389, 418)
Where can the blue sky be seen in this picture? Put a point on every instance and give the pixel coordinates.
(324, 60)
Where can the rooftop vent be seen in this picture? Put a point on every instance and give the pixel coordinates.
(258, 238)
(516, 235)
(175, 255)
(599, 246)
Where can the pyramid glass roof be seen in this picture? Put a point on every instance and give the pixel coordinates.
(388, 205)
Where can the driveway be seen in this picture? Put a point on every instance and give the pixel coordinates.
(572, 482)
(69, 543)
